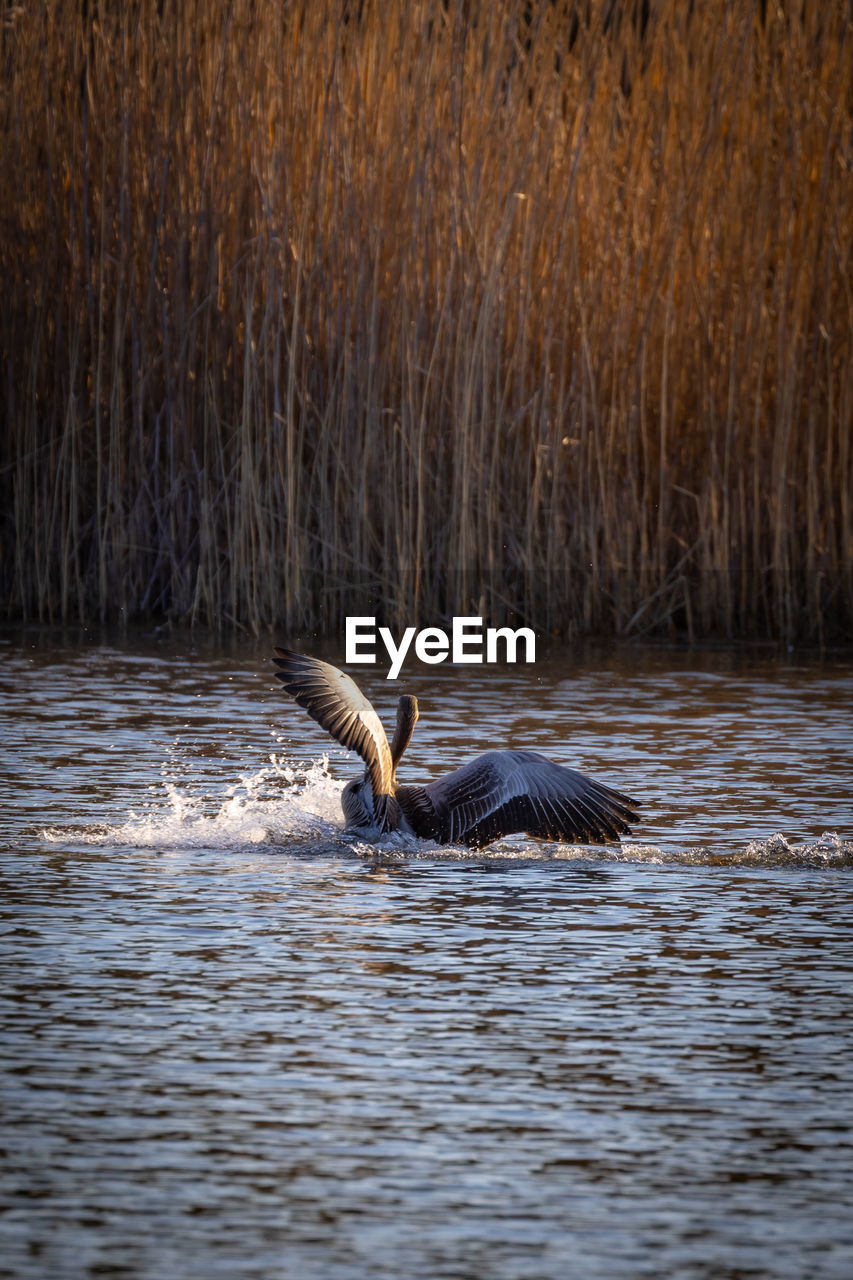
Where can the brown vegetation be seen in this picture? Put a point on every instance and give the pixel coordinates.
(428, 308)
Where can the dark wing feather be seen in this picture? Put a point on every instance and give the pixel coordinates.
(338, 705)
(502, 792)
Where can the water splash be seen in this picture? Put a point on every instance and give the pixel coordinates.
(280, 804)
(828, 851)
(296, 807)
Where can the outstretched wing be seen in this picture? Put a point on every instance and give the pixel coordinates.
(338, 705)
(506, 791)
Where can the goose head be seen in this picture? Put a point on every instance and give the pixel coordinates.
(357, 804)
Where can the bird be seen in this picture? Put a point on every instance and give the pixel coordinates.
(499, 793)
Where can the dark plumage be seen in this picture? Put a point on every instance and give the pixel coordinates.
(498, 793)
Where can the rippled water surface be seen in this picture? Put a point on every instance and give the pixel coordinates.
(235, 1043)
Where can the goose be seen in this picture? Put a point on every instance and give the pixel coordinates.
(494, 795)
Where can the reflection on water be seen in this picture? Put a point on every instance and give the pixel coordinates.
(236, 1044)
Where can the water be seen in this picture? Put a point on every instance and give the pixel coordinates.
(235, 1043)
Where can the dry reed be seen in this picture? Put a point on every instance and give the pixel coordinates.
(425, 308)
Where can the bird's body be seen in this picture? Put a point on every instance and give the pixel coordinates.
(496, 794)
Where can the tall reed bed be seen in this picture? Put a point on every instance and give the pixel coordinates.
(428, 308)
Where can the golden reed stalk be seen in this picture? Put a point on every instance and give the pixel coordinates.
(428, 308)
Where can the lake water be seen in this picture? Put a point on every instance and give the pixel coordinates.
(235, 1043)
